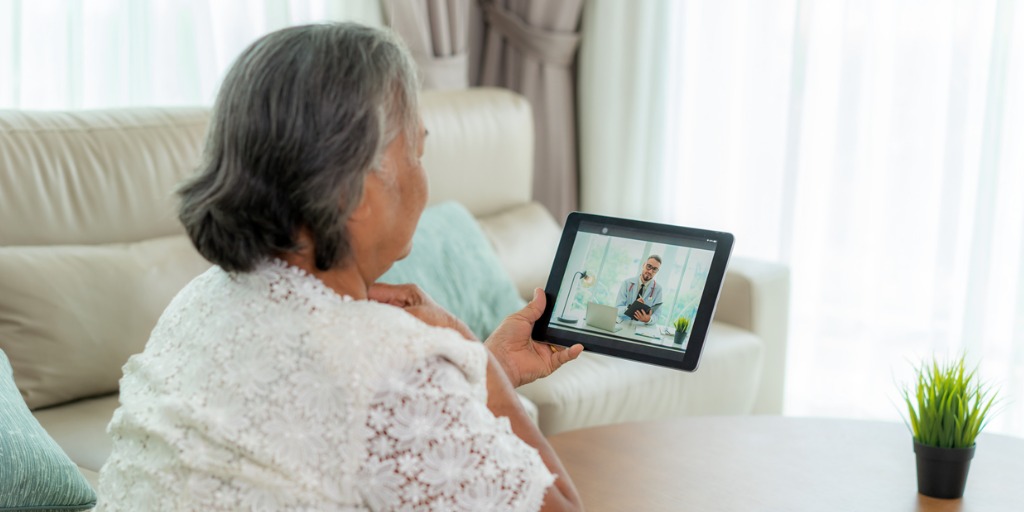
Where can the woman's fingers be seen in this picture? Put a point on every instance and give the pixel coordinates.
(402, 295)
(563, 355)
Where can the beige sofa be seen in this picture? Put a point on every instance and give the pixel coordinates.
(91, 252)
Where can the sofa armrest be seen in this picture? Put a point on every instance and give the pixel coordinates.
(755, 297)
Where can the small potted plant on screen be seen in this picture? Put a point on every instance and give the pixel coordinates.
(681, 325)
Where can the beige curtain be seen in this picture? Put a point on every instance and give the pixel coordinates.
(437, 33)
(529, 46)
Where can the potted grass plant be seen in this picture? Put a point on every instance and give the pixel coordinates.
(682, 324)
(947, 408)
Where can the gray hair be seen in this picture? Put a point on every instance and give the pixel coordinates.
(303, 115)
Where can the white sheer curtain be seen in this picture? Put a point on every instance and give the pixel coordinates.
(875, 146)
(66, 54)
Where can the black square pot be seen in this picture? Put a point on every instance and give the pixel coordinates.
(679, 337)
(942, 472)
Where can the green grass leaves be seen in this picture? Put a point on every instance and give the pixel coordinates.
(948, 407)
(682, 323)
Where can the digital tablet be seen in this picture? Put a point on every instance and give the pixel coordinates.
(605, 271)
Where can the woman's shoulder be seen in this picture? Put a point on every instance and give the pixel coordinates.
(272, 288)
(387, 333)
(283, 303)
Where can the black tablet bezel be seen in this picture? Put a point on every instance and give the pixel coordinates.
(686, 359)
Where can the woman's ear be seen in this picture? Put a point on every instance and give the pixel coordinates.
(364, 210)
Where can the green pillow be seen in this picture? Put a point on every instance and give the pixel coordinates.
(453, 262)
(35, 474)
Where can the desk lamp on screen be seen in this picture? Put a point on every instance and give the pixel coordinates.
(587, 279)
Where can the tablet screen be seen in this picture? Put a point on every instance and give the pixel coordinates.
(636, 290)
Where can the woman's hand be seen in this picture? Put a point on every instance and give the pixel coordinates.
(417, 303)
(523, 359)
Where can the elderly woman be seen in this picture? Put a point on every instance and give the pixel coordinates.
(284, 378)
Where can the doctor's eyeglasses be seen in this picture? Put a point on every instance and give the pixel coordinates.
(652, 268)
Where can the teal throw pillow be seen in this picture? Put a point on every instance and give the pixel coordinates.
(35, 474)
(453, 262)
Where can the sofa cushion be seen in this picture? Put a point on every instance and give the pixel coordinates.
(80, 428)
(454, 263)
(88, 177)
(34, 473)
(525, 237)
(70, 316)
(480, 149)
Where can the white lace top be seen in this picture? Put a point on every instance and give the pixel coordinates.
(268, 391)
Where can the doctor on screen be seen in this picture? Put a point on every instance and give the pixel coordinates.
(642, 288)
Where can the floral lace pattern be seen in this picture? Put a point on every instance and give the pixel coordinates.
(268, 391)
